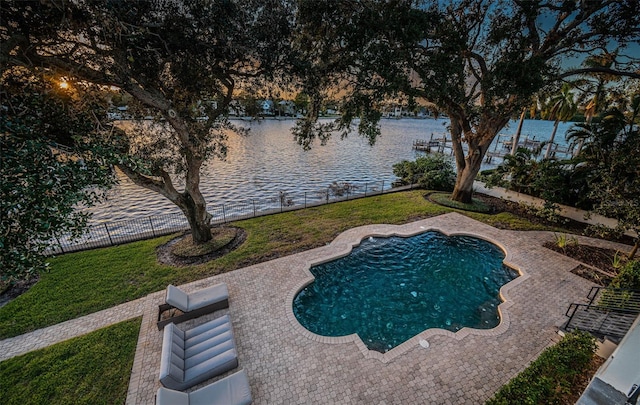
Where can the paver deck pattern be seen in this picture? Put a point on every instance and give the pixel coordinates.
(288, 365)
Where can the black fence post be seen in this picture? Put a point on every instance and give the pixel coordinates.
(224, 215)
(108, 234)
(254, 206)
(153, 231)
(365, 188)
(60, 244)
(305, 199)
(382, 190)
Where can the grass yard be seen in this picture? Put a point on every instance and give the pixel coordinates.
(85, 282)
(95, 368)
(91, 369)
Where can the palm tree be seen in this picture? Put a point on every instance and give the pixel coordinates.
(593, 96)
(532, 113)
(562, 107)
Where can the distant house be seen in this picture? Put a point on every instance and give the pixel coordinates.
(267, 107)
(118, 113)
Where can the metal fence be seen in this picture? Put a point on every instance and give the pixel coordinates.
(119, 232)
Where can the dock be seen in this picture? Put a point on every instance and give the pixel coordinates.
(502, 147)
(439, 143)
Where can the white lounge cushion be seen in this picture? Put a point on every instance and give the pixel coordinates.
(231, 390)
(166, 396)
(177, 298)
(193, 356)
(197, 299)
(208, 296)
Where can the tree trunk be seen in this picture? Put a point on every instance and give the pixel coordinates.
(633, 252)
(198, 217)
(190, 201)
(553, 136)
(468, 166)
(516, 138)
(579, 148)
(463, 190)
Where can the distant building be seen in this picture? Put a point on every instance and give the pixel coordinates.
(267, 107)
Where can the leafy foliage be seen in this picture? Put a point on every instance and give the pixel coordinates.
(433, 172)
(52, 162)
(628, 277)
(551, 375)
(616, 183)
(177, 61)
(554, 181)
(479, 61)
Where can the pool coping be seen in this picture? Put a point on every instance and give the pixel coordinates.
(342, 246)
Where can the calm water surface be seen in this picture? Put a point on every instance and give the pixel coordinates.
(269, 160)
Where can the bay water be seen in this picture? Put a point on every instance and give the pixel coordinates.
(269, 161)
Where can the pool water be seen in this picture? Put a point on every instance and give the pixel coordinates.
(388, 290)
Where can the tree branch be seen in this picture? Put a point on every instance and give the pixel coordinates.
(573, 72)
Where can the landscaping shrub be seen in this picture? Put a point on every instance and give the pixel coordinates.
(433, 172)
(550, 377)
(554, 181)
(628, 277)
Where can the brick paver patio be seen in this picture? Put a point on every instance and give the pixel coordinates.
(286, 364)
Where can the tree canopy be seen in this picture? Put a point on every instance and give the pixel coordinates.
(479, 61)
(179, 61)
(52, 161)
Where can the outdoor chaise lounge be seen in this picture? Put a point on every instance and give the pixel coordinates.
(231, 390)
(193, 305)
(193, 356)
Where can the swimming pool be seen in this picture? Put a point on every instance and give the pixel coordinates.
(388, 290)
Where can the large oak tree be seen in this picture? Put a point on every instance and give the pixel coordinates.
(179, 61)
(479, 61)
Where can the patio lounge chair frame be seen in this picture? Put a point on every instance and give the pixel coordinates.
(219, 299)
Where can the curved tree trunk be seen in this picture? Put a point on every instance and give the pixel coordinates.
(516, 137)
(197, 215)
(553, 137)
(468, 166)
(191, 202)
(463, 190)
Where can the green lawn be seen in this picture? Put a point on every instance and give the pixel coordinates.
(90, 369)
(95, 368)
(86, 282)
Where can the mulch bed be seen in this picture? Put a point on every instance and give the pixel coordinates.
(600, 258)
(166, 256)
(598, 261)
(17, 289)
